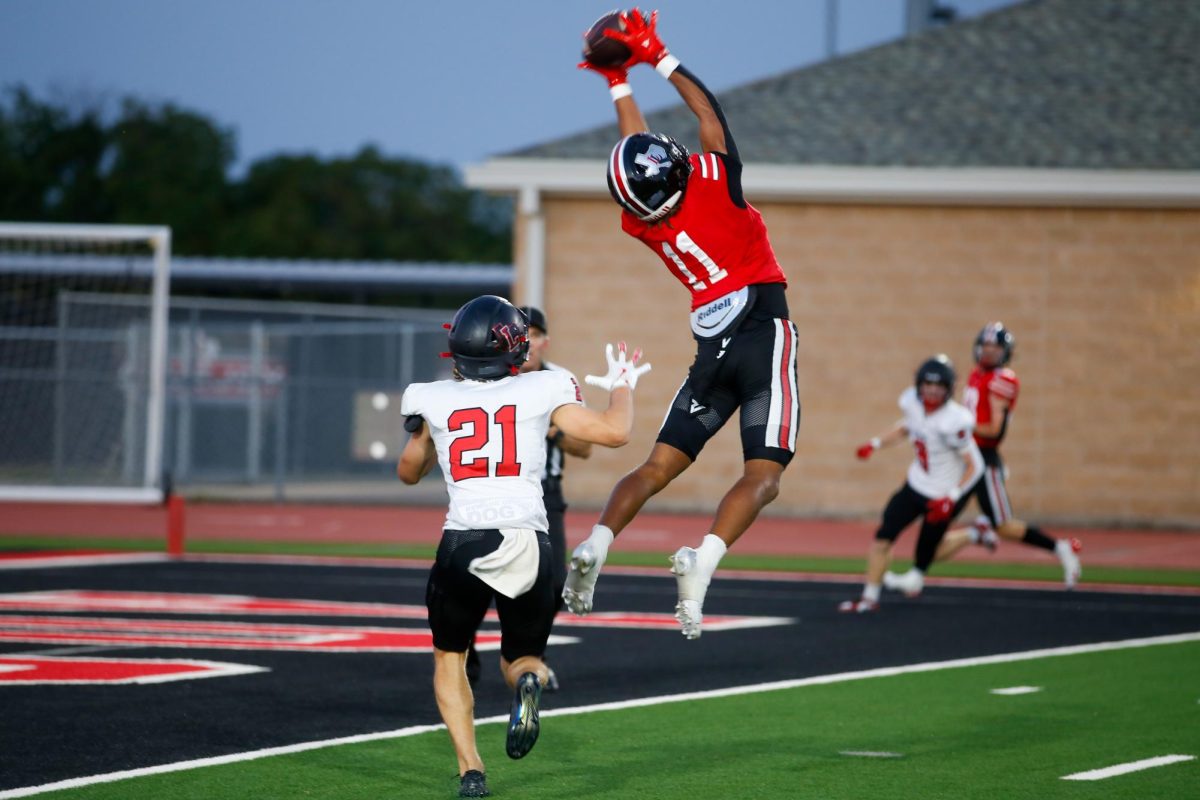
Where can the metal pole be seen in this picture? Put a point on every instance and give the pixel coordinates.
(281, 420)
(130, 381)
(60, 389)
(156, 400)
(254, 408)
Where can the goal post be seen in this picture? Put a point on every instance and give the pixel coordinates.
(83, 361)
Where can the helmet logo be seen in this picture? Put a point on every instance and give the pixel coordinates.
(504, 334)
(652, 160)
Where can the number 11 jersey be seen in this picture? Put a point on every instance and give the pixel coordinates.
(711, 244)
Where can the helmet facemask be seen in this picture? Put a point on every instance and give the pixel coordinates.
(648, 174)
(937, 370)
(995, 333)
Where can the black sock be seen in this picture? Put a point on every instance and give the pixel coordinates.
(1034, 536)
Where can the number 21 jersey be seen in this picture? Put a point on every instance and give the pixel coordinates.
(490, 438)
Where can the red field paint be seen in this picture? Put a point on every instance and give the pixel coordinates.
(27, 670)
(222, 635)
(76, 600)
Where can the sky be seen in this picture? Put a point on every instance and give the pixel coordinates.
(446, 81)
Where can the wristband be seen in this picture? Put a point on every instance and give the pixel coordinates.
(666, 65)
(875, 443)
(620, 90)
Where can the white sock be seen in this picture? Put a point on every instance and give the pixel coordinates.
(871, 592)
(710, 552)
(973, 533)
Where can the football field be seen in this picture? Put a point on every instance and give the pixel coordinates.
(320, 688)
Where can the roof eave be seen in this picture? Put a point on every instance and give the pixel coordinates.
(969, 186)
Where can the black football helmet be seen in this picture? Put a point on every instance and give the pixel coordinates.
(995, 333)
(489, 339)
(937, 369)
(648, 174)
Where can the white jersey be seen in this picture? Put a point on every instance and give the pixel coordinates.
(491, 444)
(943, 442)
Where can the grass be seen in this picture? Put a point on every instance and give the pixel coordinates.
(1049, 572)
(954, 739)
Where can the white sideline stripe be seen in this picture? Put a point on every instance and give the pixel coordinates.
(818, 680)
(1122, 769)
(1015, 690)
(82, 561)
(870, 754)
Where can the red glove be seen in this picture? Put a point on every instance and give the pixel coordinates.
(614, 75)
(865, 451)
(939, 510)
(641, 37)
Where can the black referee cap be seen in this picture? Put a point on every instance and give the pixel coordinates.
(536, 318)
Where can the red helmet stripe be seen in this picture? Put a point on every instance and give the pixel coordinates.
(621, 179)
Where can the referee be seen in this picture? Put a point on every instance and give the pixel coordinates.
(557, 444)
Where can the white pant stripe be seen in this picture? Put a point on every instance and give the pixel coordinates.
(997, 495)
(784, 416)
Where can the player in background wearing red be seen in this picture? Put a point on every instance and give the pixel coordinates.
(689, 209)
(991, 395)
(940, 478)
(486, 429)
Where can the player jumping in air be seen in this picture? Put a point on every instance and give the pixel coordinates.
(690, 211)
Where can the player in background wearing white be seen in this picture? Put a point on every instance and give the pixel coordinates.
(991, 395)
(486, 429)
(690, 210)
(939, 481)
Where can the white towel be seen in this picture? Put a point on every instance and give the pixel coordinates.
(512, 568)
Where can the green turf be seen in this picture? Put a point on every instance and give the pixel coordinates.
(956, 740)
(1049, 572)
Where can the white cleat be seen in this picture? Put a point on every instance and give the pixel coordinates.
(987, 534)
(690, 615)
(861, 606)
(912, 583)
(581, 579)
(692, 585)
(1066, 550)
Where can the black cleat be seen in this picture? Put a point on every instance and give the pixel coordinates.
(474, 784)
(523, 725)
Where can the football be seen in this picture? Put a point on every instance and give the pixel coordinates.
(600, 50)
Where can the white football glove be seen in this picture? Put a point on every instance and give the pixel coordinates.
(622, 371)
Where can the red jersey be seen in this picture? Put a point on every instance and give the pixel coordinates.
(711, 245)
(981, 387)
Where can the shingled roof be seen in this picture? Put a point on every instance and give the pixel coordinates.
(1084, 84)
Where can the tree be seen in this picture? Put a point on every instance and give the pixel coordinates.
(365, 207)
(163, 165)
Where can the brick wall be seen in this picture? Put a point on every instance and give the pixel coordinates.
(1105, 306)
